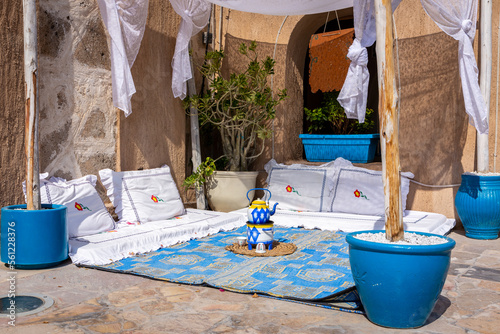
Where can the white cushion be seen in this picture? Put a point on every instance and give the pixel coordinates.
(86, 214)
(300, 187)
(144, 195)
(361, 191)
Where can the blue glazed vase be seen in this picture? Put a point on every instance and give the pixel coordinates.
(478, 205)
(398, 285)
(34, 239)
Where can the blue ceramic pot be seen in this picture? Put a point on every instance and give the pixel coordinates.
(359, 148)
(478, 205)
(398, 284)
(34, 239)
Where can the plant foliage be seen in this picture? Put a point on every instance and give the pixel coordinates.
(203, 172)
(330, 118)
(240, 106)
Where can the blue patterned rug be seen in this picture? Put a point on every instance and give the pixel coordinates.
(317, 273)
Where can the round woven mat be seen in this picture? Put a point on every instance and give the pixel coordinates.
(279, 249)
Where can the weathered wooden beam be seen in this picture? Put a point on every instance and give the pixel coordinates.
(31, 105)
(195, 138)
(484, 80)
(388, 116)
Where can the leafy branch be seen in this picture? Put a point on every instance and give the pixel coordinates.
(240, 107)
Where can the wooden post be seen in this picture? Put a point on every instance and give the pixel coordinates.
(195, 138)
(31, 105)
(485, 80)
(388, 116)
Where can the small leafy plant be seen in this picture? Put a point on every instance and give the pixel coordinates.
(330, 118)
(202, 174)
(240, 106)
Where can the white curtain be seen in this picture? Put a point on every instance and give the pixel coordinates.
(458, 19)
(195, 15)
(126, 22)
(284, 7)
(354, 92)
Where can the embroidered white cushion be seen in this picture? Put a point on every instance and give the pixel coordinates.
(361, 191)
(300, 187)
(143, 195)
(86, 214)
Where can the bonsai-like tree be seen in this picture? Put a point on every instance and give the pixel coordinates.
(240, 107)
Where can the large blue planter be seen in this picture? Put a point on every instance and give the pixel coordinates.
(478, 205)
(34, 239)
(355, 148)
(398, 284)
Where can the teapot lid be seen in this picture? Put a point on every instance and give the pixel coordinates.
(258, 202)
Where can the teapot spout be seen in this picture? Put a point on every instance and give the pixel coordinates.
(274, 209)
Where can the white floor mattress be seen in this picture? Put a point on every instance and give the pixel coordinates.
(128, 240)
(416, 221)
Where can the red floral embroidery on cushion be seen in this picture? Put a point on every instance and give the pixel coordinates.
(290, 189)
(359, 194)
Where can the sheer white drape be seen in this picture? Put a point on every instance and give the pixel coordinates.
(195, 15)
(354, 92)
(126, 22)
(458, 19)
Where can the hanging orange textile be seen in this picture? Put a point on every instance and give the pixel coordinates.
(329, 62)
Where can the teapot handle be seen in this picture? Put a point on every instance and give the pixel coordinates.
(249, 201)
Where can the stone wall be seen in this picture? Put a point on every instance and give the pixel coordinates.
(436, 142)
(81, 131)
(11, 103)
(77, 118)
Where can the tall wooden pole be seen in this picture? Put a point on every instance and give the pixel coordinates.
(389, 125)
(484, 80)
(31, 105)
(195, 139)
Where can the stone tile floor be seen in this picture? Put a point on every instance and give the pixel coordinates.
(94, 301)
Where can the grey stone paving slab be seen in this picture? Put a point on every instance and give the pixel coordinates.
(475, 272)
(93, 301)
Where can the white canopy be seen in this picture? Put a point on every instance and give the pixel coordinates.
(456, 17)
(195, 15)
(284, 7)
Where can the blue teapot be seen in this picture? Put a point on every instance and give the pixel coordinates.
(258, 212)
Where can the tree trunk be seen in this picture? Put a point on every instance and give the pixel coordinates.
(389, 127)
(32, 105)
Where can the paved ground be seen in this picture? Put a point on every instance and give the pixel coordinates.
(93, 301)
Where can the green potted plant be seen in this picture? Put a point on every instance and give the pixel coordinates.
(332, 134)
(241, 107)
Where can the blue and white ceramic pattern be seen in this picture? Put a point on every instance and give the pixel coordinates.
(260, 234)
(258, 212)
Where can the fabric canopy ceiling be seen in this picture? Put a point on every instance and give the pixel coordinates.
(126, 20)
(284, 7)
